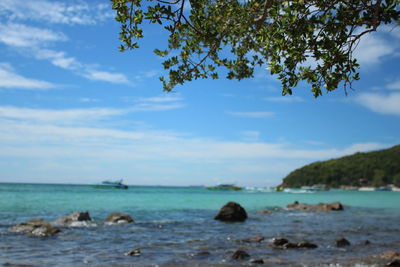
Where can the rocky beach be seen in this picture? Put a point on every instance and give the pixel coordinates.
(248, 231)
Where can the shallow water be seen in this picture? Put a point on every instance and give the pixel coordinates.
(175, 226)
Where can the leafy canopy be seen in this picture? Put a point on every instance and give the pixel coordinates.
(303, 40)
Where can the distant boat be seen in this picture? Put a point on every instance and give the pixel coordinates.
(366, 188)
(111, 184)
(224, 187)
(316, 187)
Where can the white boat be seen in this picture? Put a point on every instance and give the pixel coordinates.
(111, 184)
(367, 188)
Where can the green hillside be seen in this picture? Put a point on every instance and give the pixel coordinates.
(376, 168)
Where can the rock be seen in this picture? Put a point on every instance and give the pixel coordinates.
(279, 241)
(342, 242)
(393, 263)
(116, 218)
(391, 255)
(289, 245)
(134, 252)
(35, 227)
(254, 239)
(265, 212)
(306, 245)
(231, 212)
(257, 261)
(75, 219)
(240, 255)
(333, 206)
(366, 243)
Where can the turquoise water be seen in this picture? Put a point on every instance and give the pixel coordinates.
(174, 224)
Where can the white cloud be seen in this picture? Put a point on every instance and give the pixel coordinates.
(32, 40)
(373, 47)
(69, 116)
(394, 85)
(19, 35)
(254, 114)
(381, 103)
(43, 136)
(105, 76)
(71, 12)
(10, 79)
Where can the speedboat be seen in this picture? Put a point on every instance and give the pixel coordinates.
(111, 184)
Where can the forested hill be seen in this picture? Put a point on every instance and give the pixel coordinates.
(376, 168)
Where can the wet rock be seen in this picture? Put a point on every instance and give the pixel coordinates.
(333, 206)
(289, 245)
(231, 212)
(257, 261)
(117, 218)
(134, 252)
(265, 212)
(240, 255)
(279, 241)
(342, 242)
(366, 243)
(393, 263)
(391, 255)
(283, 243)
(75, 219)
(306, 245)
(35, 227)
(254, 239)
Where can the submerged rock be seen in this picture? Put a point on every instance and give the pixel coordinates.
(254, 239)
(240, 255)
(279, 241)
(283, 243)
(333, 206)
(342, 242)
(231, 212)
(116, 218)
(134, 252)
(76, 219)
(35, 227)
(257, 261)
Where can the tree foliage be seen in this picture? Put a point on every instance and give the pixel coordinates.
(377, 168)
(303, 40)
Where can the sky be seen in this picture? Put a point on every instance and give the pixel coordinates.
(73, 109)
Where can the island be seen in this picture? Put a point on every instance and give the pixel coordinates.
(369, 170)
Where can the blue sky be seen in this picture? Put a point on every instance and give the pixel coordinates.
(73, 109)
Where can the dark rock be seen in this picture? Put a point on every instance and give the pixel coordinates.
(203, 253)
(289, 245)
(393, 263)
(306, 245)
(279, 241)
(240, 255)
(116, 218)
(333, 206)
(366, 243)
(35, 227)
(257, 261)
(342, 242)
(231, 212)
(134, 252)
(254, 239)
(75, 219)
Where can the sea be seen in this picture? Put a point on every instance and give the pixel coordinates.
(175, 226)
